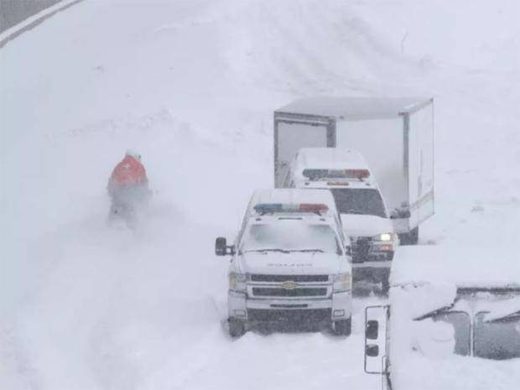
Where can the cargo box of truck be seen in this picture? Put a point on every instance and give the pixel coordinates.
(395, 136)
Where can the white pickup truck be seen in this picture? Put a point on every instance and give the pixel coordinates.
(395, 136)
(289, 262)
(446, 303)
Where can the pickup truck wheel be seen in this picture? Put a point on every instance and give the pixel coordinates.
(236, 328)
(342, 327)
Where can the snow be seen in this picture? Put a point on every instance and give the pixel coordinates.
(6, 34)
(327, 158)
(192, 86)
(461, 266)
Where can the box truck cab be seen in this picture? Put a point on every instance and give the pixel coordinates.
(445, 303)
(289, 262)
(394, 135)
(359, 202)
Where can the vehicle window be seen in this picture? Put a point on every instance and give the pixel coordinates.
(359, 201)
(461, 323)
(291, 236)
(498, 339)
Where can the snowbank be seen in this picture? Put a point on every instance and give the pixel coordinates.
(462, 266)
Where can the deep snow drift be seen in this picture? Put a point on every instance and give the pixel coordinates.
(192, 86)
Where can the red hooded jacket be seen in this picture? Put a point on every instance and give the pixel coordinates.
(129, 172)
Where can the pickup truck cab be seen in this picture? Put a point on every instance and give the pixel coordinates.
(359, 202)
(289, 262)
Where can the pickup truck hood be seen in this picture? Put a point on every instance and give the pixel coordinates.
(308, 263)
(355, 225)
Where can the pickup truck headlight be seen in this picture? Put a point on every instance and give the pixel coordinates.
(237, 281)
(342, 282)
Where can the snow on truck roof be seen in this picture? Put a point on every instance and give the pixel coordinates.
(331, 158)
(355, 108)
(463, 267)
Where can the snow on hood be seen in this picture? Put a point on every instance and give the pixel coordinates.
(293, 263)
(355, 225)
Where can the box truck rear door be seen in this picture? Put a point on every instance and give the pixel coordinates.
(292, 135)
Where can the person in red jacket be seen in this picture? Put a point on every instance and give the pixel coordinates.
(128, 184)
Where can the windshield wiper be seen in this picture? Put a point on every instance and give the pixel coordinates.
(307, 250)
(268, 250)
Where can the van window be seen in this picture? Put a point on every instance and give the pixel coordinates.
(365, 201)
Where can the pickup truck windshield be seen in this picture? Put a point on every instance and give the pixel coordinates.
(359, 201)
(290, 236)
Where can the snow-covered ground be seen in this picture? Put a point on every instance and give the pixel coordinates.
(192, 86)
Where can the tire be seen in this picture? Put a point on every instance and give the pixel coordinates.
(342, 327)
(236, 328)
(414, 236)
(411, 238)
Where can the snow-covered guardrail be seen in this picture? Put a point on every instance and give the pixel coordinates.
(16, 19)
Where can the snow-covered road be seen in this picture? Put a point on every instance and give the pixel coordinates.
(192, 86)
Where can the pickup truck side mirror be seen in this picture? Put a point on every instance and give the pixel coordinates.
(221, 247)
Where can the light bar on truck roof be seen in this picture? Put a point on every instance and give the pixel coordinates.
(336, 174)
(272, 208)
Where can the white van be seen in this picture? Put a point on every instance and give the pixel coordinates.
(359, 201)
(394, 135)
(289, 262)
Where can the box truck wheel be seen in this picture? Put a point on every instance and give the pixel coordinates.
(236, 328)
(342, 327)
(411, 238)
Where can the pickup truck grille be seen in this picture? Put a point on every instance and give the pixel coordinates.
(297, 292)
(285, 278)
(361, 249)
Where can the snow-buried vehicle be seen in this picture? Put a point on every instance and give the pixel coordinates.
(442, 307)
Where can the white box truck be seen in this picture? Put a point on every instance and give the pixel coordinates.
(395, 135)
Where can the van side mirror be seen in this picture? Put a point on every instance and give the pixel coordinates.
(398, 214)
(372, 330)
(221, 247)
